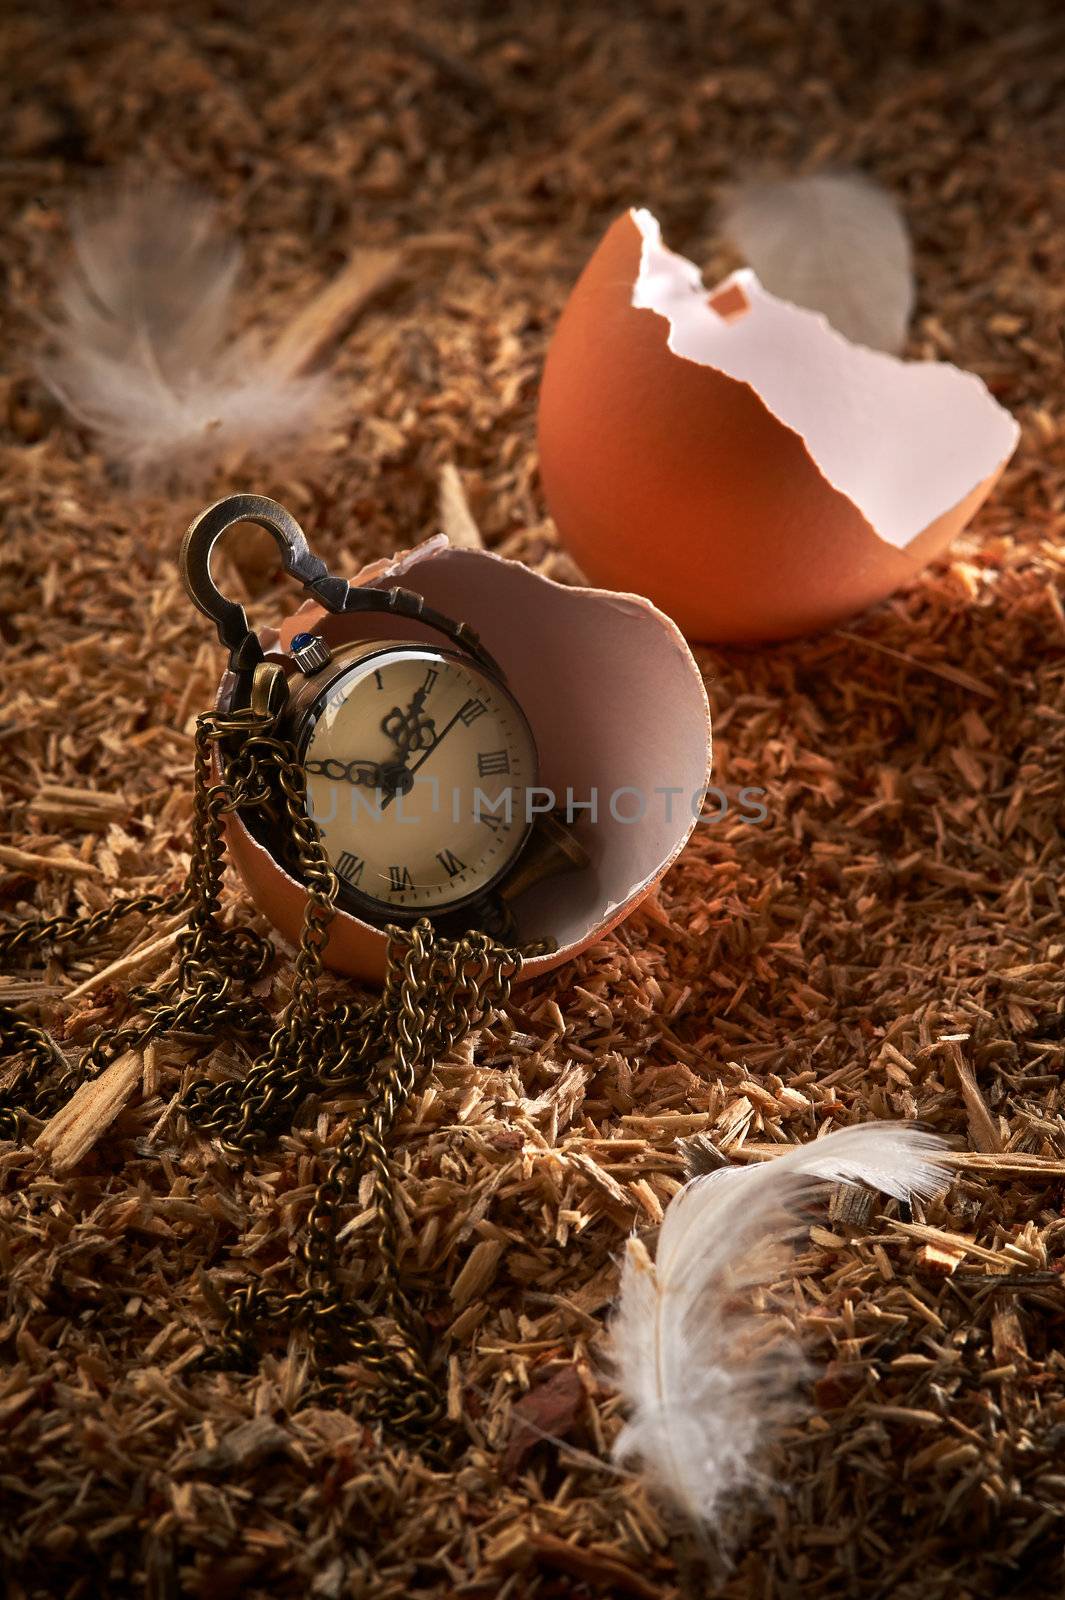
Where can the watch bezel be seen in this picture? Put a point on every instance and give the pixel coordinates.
(306, 703)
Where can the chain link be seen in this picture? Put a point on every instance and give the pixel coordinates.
(435, 991)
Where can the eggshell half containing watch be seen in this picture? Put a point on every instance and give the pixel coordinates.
(734, 457)
(619, 712)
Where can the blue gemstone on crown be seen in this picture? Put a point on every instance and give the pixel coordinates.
(300, 641)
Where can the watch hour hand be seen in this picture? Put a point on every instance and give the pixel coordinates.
(409, 730)
(363, 774)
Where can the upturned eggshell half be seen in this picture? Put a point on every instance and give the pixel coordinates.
(615, 700)
(735, 458)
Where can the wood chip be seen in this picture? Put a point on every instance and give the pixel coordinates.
(31, 861)
(982, 1127)
(455, 516)
(940, 1258)
(125, 966)
(315, 330)
(71, 1133)
(478, 1272)
(546, 1413)
(590, 1564)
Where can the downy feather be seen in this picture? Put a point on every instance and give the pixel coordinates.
(704, 1377)
(142, 353)
(833, 242)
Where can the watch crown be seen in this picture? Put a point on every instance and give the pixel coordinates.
(310, 652)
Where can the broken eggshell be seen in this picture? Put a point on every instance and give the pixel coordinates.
(615, 701)
(735, 458)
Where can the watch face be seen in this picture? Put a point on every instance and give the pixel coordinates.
(417, 766)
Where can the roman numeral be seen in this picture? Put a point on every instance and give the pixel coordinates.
(430, 678)
(350, 867)
(491, 820)
(377, 678)
(451, 863)
(399, 878)
(491, 763)
(472, 710)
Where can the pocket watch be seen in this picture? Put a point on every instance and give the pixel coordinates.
(420, 764)
(389, 776)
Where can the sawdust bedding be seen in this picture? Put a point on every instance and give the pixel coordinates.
(887, 943)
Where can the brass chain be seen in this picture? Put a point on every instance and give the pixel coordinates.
(436, 989)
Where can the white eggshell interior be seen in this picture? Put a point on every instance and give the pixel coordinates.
(905, 441)
(615, 701)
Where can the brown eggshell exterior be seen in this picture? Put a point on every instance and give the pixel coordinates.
(670, 478)
(580, 617)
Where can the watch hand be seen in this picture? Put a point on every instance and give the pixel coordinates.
(368, 774)
(417, 701)
(409, 729)
(422, 759)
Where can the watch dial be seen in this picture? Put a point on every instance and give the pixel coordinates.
(417, 769)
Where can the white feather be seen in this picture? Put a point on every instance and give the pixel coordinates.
(834, 243)
(142, 353)
(703, 1376)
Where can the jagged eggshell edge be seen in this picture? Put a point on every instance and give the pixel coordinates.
(737, 459)
(615, 700)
